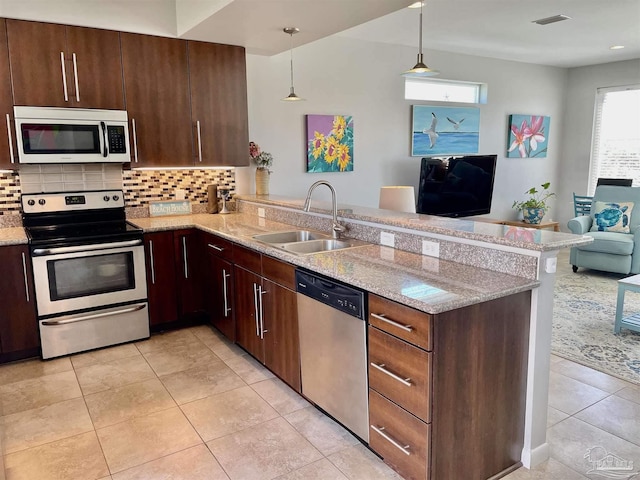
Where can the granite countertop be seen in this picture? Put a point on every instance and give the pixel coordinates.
(12, 236)
(428, 284)
(530, 239)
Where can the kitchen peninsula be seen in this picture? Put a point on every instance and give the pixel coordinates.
(479, 262)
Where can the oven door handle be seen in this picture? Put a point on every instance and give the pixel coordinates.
(53, 323)
(85, 248)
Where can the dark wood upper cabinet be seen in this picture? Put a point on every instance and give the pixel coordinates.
(7, 131)
(48, 61)
(156, 81)
(99, 68)
(218, 80)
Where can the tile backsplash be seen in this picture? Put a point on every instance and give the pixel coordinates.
(140, 186)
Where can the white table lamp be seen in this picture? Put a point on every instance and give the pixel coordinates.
(400, 199)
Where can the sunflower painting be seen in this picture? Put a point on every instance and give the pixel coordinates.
(329, 143)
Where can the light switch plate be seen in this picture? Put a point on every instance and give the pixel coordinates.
(387, 239)
(180, 194)
(261, 212)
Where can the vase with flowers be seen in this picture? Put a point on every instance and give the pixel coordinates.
(263, 161)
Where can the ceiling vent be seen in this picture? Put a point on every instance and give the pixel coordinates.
(554, 19)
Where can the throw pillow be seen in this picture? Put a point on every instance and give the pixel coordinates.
(612, 217)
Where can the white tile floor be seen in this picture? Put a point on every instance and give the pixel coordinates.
(188, 405)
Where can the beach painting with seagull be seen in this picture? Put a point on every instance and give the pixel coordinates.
(438, 130)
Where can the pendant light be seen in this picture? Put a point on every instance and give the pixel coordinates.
(420, 69)
(292, 97)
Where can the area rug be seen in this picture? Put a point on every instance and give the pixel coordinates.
(584, 312)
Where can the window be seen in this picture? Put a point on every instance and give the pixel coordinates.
(444, 90)
(615, 152)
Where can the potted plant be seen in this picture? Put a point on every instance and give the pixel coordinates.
(534, 207)
(263, 161)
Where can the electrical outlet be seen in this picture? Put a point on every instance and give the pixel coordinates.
(261, 212)
(387, 239)
(431, 248)
(550, 265)
(180, 194)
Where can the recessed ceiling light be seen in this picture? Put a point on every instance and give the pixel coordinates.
(416, 5)
(616, 47)
(554, 19)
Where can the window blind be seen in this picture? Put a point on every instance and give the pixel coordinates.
(615, 151)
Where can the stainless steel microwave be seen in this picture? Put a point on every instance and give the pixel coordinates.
(71, 135)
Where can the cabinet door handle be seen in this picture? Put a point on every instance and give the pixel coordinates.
(404, 381)
(64, 77)
(135, 140)
(152, 261)
(199, 141)
(75, 76)
(255, 308)
(380, 431)
(26, 279)
(215, 247)
(225, 275)
(260, 293)
(10, 138)
(184, 257)
(383, 317)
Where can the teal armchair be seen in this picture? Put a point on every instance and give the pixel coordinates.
(616, 246)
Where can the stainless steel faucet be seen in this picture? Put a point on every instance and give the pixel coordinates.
(336, 228)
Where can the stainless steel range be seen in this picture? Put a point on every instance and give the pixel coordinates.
(89, 270)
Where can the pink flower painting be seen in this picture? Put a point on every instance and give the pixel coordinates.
(528, 136)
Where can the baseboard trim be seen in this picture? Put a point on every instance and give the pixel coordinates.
(534, 457)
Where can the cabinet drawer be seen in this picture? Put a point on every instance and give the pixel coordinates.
(400, 438)
(404, 322)
(222, 248)
(400, 372)
(279, 272)
(248, 259)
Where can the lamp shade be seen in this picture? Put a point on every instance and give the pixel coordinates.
(398, 198)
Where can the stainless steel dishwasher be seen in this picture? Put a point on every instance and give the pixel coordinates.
(333, 349)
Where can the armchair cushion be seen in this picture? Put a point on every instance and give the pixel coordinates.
(610, 242)
(612, 216)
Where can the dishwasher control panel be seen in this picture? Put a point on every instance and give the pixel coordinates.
(335, 294)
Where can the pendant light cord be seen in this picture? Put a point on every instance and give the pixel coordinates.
(291, 56)
(421, 4)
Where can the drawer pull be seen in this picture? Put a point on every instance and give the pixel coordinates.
(406, 328)
(379, 431)
(215, 247)
(404, 381)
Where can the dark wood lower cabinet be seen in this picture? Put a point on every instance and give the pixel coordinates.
(174, 282)
(469, 390)
(161, 278)
(282, 345)
(18, 323)
(248, 332)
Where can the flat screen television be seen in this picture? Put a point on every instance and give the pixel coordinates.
(459, 186)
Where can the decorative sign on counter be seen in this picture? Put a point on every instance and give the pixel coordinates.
(159, 209)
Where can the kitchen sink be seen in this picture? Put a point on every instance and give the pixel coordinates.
(315, 246)
(304, 242)
(288, 237)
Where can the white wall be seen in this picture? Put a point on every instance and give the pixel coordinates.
(345, 76)
(579, 111)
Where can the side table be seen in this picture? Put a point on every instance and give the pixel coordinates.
(631, 322)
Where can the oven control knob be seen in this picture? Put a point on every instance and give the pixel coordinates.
(115, 198)
(42, 201)
(106, 198)
(31, 202)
